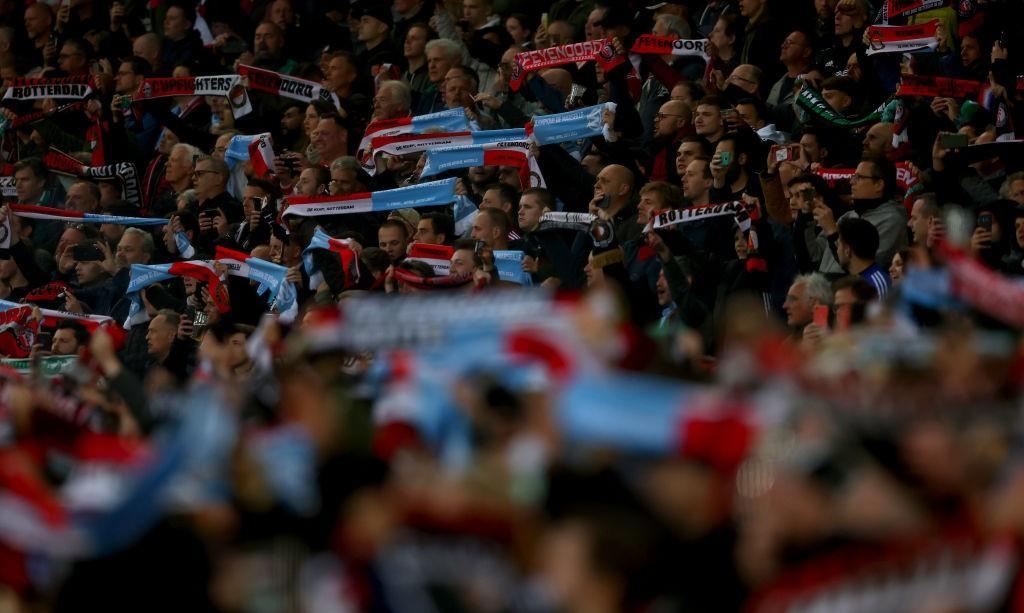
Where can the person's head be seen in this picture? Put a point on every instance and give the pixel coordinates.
(442, 54)
(178, 21)
(970, 50)
(330, 138)
(561, 32)
(873, 178)
(752, 9)
(858, 242)
(148, 47)
(534, 202)
(268, 41)
(752, 112)
(746, 77)
(281, 13)
(519, 27)
(853, 68)
(593, 29)
(180, 164)
(491, 226)
(313, 181)
(90, 273)
(655, 197)
(925, 209)
(435, 229)
(345, 177)
(738, 156)
(724, 34)
(68, 338)
(135, 247)
(392, 100)
(689, 92)
(850, 17)
(1013, 188)
(393, 237)
(374, 25)
(210, 177)
(342, 71)
(130, 74)
(236, 351)
(500, 196)
(160, 335)
(839, 92)
(804, 191)
(38, 20)
(697, 180)
(898, 265)
(690, 148)
(672, 117)
(30, 180)
(796, 49)
(806, 292)
(458, 82)
(707, 121)
(465, 260)
(292, 119)
(83, 196)
(415, 44)
(615, 181)
(849, 295)
(878, 140)
(476, 12)
(74, 56)
(71, 236)
(1018, 227)
(814, 144)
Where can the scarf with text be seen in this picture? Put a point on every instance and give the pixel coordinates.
(812, 102)
(433, 193)
(62, 163)
(287, 86)
(600, 51)
(450, 120)
(571, 125)
(505, 153)
(649, 44)
(267, 275)
(25, 88)
(228, 85)
(144, 275)
(902, 39)
(439, 257)
(340, 246)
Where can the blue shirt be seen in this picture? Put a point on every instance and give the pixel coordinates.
(879, 278)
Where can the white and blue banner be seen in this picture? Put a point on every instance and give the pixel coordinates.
(571, 125)
(510, 267)
(434, 193)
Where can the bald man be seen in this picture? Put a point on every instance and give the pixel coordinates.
(878, 140)
(746, 77)
(671, 123)
(148, 48)
(38, 27)
(613, 200)
(560, 79)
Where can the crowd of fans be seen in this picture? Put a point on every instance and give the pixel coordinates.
(750, 340)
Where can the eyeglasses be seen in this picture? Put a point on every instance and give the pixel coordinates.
(660, 116)
(199, 173)
(734, 77)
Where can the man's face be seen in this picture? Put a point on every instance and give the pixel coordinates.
(1017, 191)
(291, 121)
(89, 273)
(344, 181)
(748, 113)
(392, 241)
(475, 12)
(479, 175)
(208, 181)
(455, 88)
(64, 342)
(71, 60)
(37, 22)
(650, 204)
(28, 187)
(371, 29)
(80, 199)
(609, 183)
(844, 23)
(179, 166)
(438, 65)
(793, 48)
(1018, 227)
(708, 120)
(425, 233)
(237, 353)
(799, 308)
(749, 8)
(492, 199)
(838, 100)
(160, 336)
(339, 74)
(687, 153)
(268, 42)
(530, 211)
(220, 147)
(327, 139)
(126, 81)
(484, 229)
(669, 119)
(307, 185)
(878, 140)
(695, 182)
(175, 24)
(591, 29)
(462, 262)
(843, 302)
(70, 236)
(282, 14)
(844, 253)
(663, 291)
(743, 77)
(918, 223)
(810, 145)
(129, 251)
(796, 201)
(864, 182)
(970, 52)
(415, 43)
(386, 104)
(560, 33)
